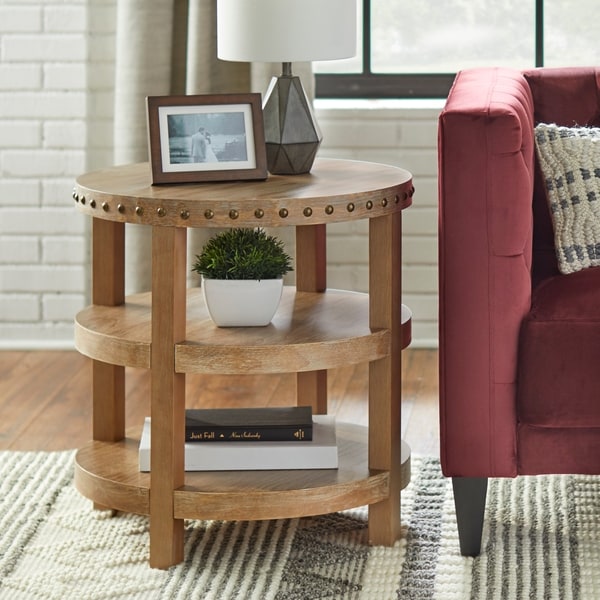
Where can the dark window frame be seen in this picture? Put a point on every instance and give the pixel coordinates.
(401, 85)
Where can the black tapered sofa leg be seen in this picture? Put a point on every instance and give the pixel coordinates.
(469, 500)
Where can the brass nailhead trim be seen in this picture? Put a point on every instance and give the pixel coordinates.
(259, 213)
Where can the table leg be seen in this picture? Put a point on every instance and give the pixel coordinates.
(108, 289)
(311, 276)
(385, 283)
(108, 412)
(167, 393)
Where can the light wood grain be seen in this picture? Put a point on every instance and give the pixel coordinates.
(334, 191)
(311, 337)
(385, 385)
(311, 276)
(108, 288)
(167, 393)
(308, 331)
(240, 495)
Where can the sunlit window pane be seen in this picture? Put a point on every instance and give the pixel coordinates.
(571, 33)
(429, 36)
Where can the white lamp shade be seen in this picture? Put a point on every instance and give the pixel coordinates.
(286, 30)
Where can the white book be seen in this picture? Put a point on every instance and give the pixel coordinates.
(320, 453)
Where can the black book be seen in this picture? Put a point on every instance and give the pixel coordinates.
(276, 424)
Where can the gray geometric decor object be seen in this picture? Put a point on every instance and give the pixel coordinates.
(292, 135)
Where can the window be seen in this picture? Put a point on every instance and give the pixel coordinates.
(413, 48)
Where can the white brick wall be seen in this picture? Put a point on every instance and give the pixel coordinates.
(56, 109)
(49, 51)
(403, 134)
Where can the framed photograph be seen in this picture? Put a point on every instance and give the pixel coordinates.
(206, 138)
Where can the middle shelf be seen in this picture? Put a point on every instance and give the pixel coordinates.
(310, 331)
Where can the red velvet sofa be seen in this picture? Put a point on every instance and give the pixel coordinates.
(519, 342)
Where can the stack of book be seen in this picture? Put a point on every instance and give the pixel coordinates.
(236, 439)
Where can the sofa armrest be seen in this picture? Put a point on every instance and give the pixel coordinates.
(486, 173)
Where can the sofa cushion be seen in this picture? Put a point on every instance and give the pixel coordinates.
(566, 96)
(570, 161)
(559, 373)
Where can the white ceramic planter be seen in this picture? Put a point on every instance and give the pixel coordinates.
(242, 303)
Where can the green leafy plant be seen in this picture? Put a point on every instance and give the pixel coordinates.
(243, 254)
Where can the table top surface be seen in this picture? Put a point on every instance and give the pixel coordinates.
(335, 190)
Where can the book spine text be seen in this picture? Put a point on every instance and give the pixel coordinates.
(270, 434)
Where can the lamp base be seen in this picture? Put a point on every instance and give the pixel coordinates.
(292, 135)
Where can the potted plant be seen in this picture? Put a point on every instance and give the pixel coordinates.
(242, 276)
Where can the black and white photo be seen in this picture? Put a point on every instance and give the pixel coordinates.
(206, 138)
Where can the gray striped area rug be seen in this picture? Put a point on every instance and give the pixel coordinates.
(541, 540)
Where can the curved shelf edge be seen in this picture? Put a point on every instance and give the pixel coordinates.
(193, 504)
(108, 473)
(118, 335)
(195, 358)
(311, 331)
(96, 478)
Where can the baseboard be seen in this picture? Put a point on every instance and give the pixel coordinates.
(24, 345)
(424, 344)
(421, 344)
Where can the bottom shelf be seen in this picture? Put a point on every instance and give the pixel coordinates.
(108, 474)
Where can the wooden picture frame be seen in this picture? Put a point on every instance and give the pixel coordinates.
(209, 137)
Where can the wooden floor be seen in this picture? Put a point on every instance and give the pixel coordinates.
(45, 399)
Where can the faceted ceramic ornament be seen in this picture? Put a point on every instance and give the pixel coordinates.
(292, 135)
